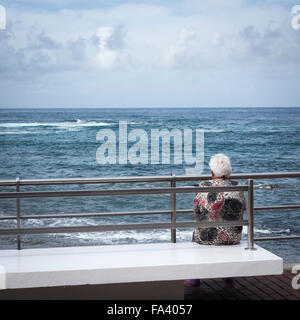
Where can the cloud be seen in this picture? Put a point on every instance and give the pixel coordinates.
(43, 54)
(150, 53)
(182, 53)
(2, 18)
(269, 46)
(217, 39)
(110, 43)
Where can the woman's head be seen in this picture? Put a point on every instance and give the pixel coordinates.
(220, 165)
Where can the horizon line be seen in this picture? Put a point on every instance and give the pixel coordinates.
(153, 107)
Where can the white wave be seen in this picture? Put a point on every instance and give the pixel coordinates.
(268, 231)
(246, 130)
(214, 130)
(265, 186)
(67, 124)
(265, 130)
(130, 236)
(149, 236)
(18, 132)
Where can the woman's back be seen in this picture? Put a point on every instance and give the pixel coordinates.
(219, 206)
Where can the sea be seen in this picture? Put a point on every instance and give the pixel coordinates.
(66, 143)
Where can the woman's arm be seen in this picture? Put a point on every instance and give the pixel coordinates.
(196, 200)
(200, 202)
(195, 214)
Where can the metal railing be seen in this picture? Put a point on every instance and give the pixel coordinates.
(172, 190)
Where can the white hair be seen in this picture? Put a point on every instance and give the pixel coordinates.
(220, 165)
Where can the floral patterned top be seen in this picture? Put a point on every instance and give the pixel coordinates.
(222, 206)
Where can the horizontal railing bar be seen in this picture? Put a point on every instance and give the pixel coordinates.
(277, 238)
(39, 182)
(87, 215)
(184, 211)
(8, 218)
(245, 176)
(292, 206)
(90, 193)
(121, 227)
(102, 214)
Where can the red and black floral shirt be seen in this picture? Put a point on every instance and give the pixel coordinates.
(219, 206)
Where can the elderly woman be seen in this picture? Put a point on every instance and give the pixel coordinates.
(221, 206)
(218, 206)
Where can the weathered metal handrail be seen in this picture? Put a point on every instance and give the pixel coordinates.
(238, 176)
(116, 192)
(173, 190)
(173, 225)
(122, 227)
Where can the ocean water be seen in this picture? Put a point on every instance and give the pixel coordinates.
(61, 143)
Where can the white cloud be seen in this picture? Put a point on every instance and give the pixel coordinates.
(2, 18)
(217, 39)
(209, 53)
(181, 54)
(111, 43)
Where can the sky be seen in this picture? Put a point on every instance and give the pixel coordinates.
(149, 53)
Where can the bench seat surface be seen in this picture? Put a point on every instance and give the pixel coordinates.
(46, 267)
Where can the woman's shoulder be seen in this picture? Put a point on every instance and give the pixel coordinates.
(233, 182)
(223, 182)
(206, 183)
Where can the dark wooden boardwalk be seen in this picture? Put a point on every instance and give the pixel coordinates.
(251, 288)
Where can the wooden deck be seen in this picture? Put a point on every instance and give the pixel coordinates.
(277, 287)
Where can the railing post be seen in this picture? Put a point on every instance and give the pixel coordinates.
(18, 213)
(173, 208)
(250, 213)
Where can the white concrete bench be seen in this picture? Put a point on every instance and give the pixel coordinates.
(131, 271)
